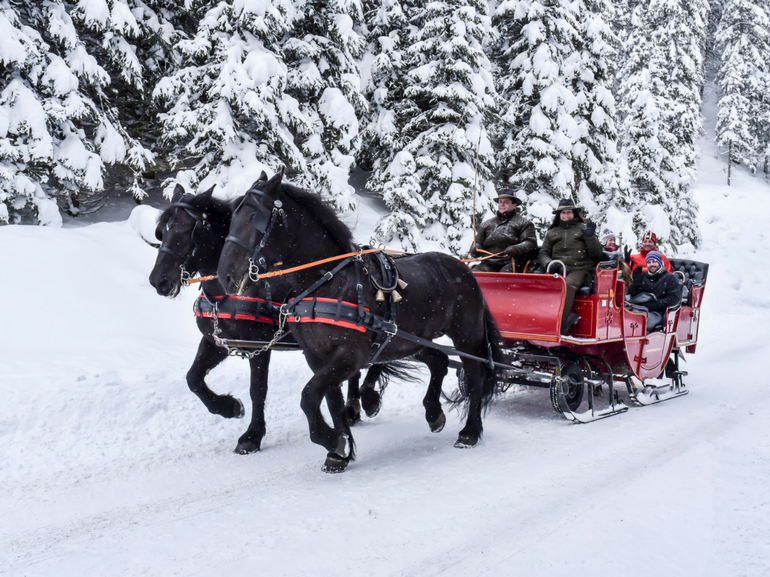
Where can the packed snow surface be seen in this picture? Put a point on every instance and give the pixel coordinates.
(110, 466)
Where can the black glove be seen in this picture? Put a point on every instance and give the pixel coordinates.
(589, 230)
(626, 255)
(511, 251)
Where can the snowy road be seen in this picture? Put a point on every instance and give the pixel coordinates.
(111, 467)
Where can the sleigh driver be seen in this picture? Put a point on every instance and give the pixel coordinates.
(507, 235)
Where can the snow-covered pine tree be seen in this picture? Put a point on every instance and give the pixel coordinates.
(743, 46)
(660, 98)
(595, 155)
(388, 33)
(133, 41)
(325, 80)
(623, 17)
(710, 56)
(429, 177)
(58, 130)
(227, 111)
(393, 170)
(538, 60)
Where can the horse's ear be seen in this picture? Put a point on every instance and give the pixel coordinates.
(273, 185)
(179, 192)
(262, 178)
(206, 196)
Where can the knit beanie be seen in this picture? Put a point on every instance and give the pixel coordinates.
(606, 235)
(654, 255)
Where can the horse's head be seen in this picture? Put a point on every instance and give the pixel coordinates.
(257, 233)
(191, 232)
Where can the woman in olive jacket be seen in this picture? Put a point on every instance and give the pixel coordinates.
(572, 240)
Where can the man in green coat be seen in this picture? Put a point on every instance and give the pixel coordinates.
(572, 240)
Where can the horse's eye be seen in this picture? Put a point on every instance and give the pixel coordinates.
(168, 226)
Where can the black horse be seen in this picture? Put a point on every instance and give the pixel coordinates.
(192, 232)
(281, 225)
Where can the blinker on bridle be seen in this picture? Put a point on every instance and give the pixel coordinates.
(201, 226)
(263, 221)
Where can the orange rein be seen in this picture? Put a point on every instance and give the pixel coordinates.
(296, 268)
(489, 255)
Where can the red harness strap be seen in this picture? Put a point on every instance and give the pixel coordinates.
(238, 308)
(327, 311)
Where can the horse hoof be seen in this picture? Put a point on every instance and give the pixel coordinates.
(246, 447)
(371, 401)
(235, 410)
(335, 464)
(373, 411)
(466, 441)
(438, 425)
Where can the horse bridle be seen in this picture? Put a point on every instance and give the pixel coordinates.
(201, 226)
(263, 221)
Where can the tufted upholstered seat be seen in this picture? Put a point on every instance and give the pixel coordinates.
(694, 272)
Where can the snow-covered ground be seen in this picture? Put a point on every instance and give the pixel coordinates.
(111, 467)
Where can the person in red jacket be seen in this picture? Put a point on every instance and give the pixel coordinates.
(649, 243)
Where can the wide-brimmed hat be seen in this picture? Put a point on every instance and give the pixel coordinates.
(509, 194)
(566, 204)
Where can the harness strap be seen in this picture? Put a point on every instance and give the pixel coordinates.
(239, 242)
(321, 310)
(237, 308)
(175, 254)
(292, 304)
(327, 311)
(359, 291)
(389, 275)
(447, 350)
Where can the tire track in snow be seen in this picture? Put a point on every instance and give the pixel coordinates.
(50, 542)
(547, 519)
(41, 544)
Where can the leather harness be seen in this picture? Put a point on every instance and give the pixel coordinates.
(304, 308)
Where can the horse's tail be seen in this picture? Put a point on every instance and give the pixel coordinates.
(378, 374)
(494, 354)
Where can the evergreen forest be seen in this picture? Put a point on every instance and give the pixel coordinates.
(441, 104)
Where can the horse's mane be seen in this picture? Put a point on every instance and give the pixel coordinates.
(323, 214)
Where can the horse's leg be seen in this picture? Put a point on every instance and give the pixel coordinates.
(476, 374)
(209, 356)
(353, 405)
(335, 401)
(438, 364)
(251, 440)
(338, 441)
(371, 400)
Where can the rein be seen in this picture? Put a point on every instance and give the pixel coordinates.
(489, 255)
(275, 273)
